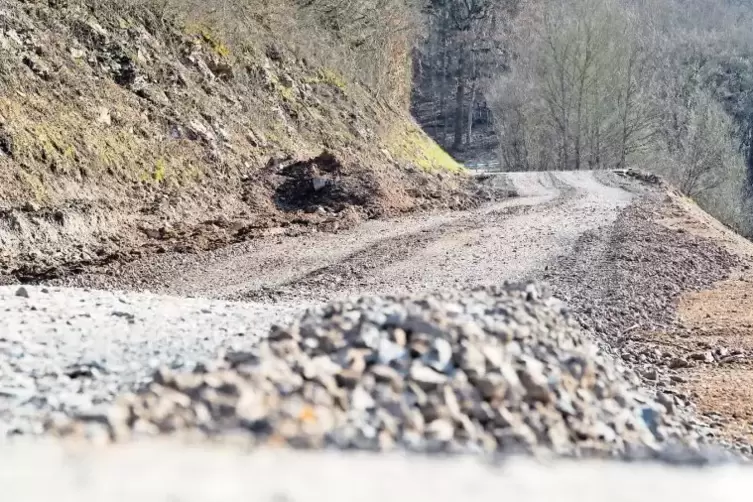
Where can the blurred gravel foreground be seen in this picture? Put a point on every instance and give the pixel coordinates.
(163, 472)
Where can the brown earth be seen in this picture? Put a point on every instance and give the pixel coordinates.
(722, 319)
(718, 320)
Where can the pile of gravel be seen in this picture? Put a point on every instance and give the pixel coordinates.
(492, 370)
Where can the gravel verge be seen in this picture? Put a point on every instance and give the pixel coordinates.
(623, 283)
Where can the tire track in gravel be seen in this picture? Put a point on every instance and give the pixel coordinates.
(510, 240)
(354, 271)
(502, 241)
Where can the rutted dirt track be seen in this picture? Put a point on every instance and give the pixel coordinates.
(510, 240)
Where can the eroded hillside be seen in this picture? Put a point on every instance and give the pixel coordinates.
(124, 128)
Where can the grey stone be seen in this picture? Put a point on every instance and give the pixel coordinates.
(426, 377)
(534, 380)
(440, 355)
(381, 373)
(389, 351)
(441, 430)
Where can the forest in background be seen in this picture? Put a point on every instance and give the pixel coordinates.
(597, 84)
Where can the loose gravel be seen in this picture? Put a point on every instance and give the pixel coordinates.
(54, 339)
(496, 370)
(414, 254)
(481, 369)
(69, 351)
(623, 283)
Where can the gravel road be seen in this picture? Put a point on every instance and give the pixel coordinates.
(510, 240)
(58, 333)
(70, 351)
(53, 341)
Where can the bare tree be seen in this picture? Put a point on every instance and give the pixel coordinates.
(465, 44)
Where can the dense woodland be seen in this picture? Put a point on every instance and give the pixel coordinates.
(598, 84)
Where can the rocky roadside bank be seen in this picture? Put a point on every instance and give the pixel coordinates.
(624, 283)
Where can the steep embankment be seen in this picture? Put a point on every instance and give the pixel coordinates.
(127, 131)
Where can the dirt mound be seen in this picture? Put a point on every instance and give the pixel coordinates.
(320, 184)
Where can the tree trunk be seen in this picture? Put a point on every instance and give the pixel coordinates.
(443, 83)
(471, 104)
(459, 100)
(626, 113)
(749, 160)
(472, 97)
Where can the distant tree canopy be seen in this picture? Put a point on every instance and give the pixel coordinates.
(599, 84)
(464, 46)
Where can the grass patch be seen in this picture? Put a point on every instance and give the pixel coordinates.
(330, 77)
(37, 188)
(217, 45)
(414, 146)
(286, 93)
(160, 168)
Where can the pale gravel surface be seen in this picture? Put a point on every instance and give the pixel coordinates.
(510, 240)
(180, 474)
(120, 337)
